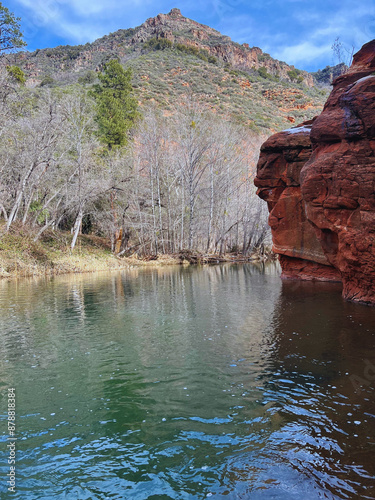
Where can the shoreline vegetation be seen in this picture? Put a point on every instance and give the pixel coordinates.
(21, 256)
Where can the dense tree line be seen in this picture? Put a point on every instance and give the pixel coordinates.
(85, 160)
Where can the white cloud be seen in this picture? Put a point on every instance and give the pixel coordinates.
(302, 53)
(303, 35)
(83, 20)
(94, 7)
(79, 33)
(345, 22)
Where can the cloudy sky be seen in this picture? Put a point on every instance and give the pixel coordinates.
(299, 32)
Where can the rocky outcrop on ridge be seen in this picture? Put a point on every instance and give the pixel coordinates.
(172, 26)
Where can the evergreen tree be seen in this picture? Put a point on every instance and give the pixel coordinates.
(10, 31)
(116, 108)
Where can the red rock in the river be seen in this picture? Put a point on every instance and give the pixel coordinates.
(338, 181)
(281, 160)
(322, 202)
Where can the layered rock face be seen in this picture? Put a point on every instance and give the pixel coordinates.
(338, 182)
(321, 195)
(278, 180)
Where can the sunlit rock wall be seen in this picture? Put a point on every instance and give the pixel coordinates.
(321, 194)
(281, 159)
(338, 181)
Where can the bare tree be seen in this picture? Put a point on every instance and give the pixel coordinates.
(184, 182)
(342, 54)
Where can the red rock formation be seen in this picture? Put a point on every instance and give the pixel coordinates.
(322, 203)
(281, 159)
(307, 270)
(338, 182)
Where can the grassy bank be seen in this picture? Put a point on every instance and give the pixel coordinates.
(21, 256)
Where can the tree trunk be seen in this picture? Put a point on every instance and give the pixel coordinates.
(191, 211)
(2, 209)
(211, 208)
(52, 222)
(77, 227)
(118, 242)
(27, 209)
(17, 204)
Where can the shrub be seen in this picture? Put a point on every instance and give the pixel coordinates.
(295, 75)
(47, 80)
(264, 57)
(187, 49)
(158, 44)
(87, 78)
(264, 73)
(127, 33)
(72, 53)
(16, 74)
(194, 51)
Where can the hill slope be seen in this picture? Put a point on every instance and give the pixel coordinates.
(172, 56)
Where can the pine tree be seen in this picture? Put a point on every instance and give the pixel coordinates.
(116, 108)
(10, 31)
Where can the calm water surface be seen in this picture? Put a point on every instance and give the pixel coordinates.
(188, 383)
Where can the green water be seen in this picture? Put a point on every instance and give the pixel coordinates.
(187, 383)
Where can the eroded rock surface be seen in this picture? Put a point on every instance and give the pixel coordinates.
(321, 194)
(281, 159)
(338, 181)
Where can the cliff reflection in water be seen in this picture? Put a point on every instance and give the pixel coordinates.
(322, 388)
(185, 382)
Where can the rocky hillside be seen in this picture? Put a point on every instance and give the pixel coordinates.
(328, 74)
(172, 56)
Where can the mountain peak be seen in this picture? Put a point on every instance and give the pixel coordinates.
(180, 52)
(175, 12)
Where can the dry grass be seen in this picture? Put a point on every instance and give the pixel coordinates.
(21, 256)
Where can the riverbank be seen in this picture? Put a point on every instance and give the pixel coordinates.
(21, 256)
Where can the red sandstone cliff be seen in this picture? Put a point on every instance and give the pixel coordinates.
(322, 202)
(338, 182)
(278, 178)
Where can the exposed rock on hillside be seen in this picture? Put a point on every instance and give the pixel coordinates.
(179, 29)
(330, 219)
(329, 73)
(173, 57)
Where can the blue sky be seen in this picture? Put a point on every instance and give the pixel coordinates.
(299, 32)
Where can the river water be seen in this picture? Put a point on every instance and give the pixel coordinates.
(187, 383)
